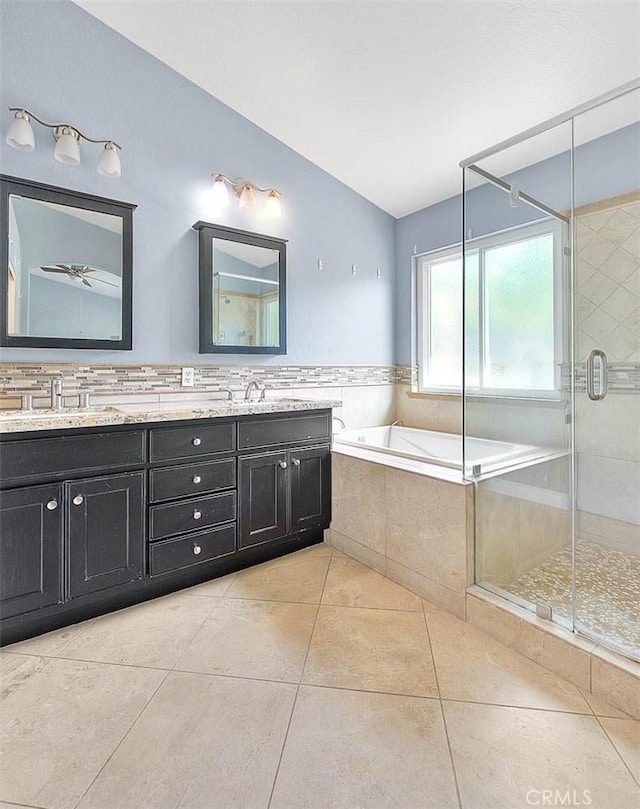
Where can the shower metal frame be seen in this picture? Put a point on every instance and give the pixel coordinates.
(469, 163)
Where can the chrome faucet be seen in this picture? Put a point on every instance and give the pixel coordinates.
(263, 394)
(228, 392)
(250, 387)
(56, 393)
(397, 423)
(338, 419)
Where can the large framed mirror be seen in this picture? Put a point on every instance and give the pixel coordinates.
(66, 272)
(242, 291)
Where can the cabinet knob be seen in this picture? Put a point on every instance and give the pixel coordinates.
(197, 550)
(52, 505)
(78, 500)
(197, 514)
(283, 464)
(196, 442)
(197, 479)
(295, 461)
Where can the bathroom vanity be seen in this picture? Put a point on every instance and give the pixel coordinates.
(95, 518)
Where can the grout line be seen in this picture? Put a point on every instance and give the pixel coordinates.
(444, 719)
(295, 699)
(613, 744)
(125, 736)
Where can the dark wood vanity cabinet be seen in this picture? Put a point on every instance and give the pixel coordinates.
(30, 549)
(72, 537)
(283, 493)
(97, 519)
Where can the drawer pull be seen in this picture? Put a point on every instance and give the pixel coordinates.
(52, 505)
(197, 479)
(196, 442)
(197, 514)
(283, 464)
(197, 550)
(78, 500)
(296, 461)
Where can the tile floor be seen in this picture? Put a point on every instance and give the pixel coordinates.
(309, 681)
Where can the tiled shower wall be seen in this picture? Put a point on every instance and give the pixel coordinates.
(367, 392)
(608, 317)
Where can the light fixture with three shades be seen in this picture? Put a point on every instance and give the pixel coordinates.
(246, 192)
(68, 139)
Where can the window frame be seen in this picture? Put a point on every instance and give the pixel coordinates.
(422, 265)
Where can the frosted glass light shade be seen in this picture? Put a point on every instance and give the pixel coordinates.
(247, 199)
(219, 194)
(109, 162)
(67, 150)
(273, 206)
(20, 135)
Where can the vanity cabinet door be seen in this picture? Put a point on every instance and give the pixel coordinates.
(262, 486)
(105, 532)
(30, 549)
(310, 487)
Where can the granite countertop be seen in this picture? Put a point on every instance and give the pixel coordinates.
(15, 421)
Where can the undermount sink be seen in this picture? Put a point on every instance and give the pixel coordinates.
(48, 413)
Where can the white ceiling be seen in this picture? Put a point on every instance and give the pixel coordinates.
(388, 96)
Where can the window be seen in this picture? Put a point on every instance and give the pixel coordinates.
(513, 314)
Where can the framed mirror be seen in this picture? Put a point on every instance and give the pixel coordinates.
(65, 277)
(242, 291)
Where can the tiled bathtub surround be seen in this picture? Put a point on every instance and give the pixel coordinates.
(414, 529)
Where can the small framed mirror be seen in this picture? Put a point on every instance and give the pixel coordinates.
(66, 271)
(242, 291)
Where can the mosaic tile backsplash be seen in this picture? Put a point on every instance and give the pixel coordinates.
(19, 378)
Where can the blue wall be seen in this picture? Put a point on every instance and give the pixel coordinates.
(604, 168)
(64, 64)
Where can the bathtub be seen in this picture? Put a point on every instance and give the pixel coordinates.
(440, 449)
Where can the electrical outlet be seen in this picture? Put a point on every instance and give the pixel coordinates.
(188, 377)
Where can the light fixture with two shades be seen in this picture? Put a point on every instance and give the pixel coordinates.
(68, 139)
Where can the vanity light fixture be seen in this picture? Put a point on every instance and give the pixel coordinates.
(68, 139)
(246, 192)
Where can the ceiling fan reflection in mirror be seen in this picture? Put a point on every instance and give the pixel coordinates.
(79, 271)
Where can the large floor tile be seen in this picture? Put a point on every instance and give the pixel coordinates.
(472, 666)
(202, 743)
(625, 735)
(59, 728)
(154, 633)
(297, 577)
(506, 757)
(16, 670)
(215, 587)
(349, 749)
(371, 650)
(263, 639)
(50, 644)
(352, 584)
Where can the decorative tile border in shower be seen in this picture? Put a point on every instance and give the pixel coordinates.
(622, 377)
(18, 378)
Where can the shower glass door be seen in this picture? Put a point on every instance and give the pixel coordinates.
(517, 346)
(607, 373)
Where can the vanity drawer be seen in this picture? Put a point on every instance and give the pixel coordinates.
(170, 443)
(191, 479)
(53, 457)
(272, 432)
(176, 554)
(189, 515)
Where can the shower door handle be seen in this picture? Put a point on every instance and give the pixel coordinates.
(594, 355)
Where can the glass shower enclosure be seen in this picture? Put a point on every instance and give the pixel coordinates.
(551, 235)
